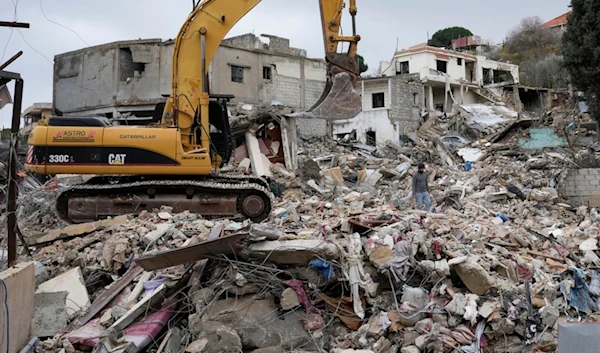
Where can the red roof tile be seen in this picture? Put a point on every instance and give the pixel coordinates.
(559, 21)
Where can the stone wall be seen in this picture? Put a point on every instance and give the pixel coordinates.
(308, 128)
(407, 102)
(582, 187)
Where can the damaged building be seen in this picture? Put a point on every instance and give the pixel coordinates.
(126, 80)
(391, 107)
(451, 77)
(423, 80)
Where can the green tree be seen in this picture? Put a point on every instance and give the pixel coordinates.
(581, 52)
(443, 37)
(536, 50)
(362, 65)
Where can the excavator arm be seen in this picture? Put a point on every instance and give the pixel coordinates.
(200, 37)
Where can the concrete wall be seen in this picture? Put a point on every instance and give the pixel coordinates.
(102, 77)
(307, 128)
(484, 63)
(371, 87)
(582, 187)
(401, 114)
(426, 60)
(20, 283)
(408, 100)
(374, 120)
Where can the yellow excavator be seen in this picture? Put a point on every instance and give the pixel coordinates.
(175, 161)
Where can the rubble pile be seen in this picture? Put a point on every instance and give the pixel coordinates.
(344, 264)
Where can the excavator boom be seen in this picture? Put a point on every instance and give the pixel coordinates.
(173, 161)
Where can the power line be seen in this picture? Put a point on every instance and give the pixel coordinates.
(58, 24)
(15, 18)
(45, 57)
(6, 46)
(32, 48)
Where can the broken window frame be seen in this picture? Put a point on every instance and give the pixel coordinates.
(237, 74)
(459, 61)
(267, 73)
(127, 66)
(402, 67)
(444, 66)
(378, 100)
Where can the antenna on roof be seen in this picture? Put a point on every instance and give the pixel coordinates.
(397, 43)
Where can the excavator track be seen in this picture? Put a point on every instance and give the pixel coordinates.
(215, 196)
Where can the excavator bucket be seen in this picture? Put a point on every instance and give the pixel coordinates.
(339, 100)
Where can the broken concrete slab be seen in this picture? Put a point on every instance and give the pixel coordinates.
(475, 277)
(212, 247)
(75, 230)
(20, 284)
(50, 314)
(248, 313)
(72, 282)
(153, 236)
(380, 255)
(294, 251)
(138, 309)
(289, 299)
(257, 161)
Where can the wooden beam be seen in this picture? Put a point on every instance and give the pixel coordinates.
(14, 24)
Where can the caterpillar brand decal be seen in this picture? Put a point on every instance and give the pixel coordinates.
(93, 155)
(195, 158)
(116, 159)
(74, 136)
(141, 137)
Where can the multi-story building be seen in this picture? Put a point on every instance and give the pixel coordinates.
(451, 77)
(126, 80)
(420, 79)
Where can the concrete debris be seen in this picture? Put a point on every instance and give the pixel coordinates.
(289, 299)
(73, 283)
(345, 262)
(49, 314)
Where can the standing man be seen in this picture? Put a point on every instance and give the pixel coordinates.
(420, 188)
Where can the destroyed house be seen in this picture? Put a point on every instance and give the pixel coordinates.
(451, 77)
(126, 80)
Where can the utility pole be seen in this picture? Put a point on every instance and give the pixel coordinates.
(6, 77)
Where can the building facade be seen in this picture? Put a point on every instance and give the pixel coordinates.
(33, 114)
(451, 77)
(392, 107)
(125, 80)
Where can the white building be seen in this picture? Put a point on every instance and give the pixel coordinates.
(391, 107)
(451, 77)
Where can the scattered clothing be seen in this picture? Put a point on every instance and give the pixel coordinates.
(399, 264)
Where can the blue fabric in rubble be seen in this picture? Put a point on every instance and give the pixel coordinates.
(579, 297)
(325, 267)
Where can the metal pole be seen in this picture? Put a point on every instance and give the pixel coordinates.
(12, 172)
(11, 60)
(14, 24)
(203, 48)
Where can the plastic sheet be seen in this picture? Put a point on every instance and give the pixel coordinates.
(325, 267)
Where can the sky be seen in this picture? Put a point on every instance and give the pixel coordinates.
(384, 26)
